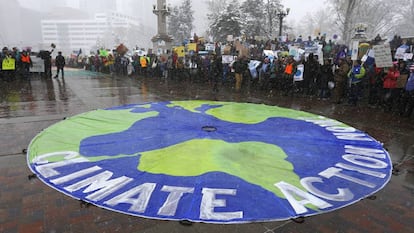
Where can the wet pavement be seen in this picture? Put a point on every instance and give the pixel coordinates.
(28, 205)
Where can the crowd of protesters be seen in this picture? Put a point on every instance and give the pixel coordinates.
(14, 63)
(337, 79)
(17, 64)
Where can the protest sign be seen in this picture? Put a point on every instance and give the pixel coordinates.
(382, 54)
(355, 45)
(38, 65)
(299, 73)
(9, 64)
(180, 50)
(227, 59)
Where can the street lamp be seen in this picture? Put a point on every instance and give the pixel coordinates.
(281, 14)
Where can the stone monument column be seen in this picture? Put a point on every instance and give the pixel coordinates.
(162, 42)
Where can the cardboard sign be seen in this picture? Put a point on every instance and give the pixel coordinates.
(9, 64)
(192, 47)
(382, 55)
(402, 80)
(180, 50)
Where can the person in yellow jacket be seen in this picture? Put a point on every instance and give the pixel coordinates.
(355, 78)
(144, 64)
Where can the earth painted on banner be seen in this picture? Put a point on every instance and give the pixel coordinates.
(205, 161)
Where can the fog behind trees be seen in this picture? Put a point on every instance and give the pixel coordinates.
(20, 20)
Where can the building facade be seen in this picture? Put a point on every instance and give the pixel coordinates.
(105, 30)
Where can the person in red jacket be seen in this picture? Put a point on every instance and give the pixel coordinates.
(391, 92)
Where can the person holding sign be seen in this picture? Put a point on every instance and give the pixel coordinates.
(355, 76)
(8, 65)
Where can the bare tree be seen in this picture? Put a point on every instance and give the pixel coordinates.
(404, 18)
(380, 16)
(344, 11)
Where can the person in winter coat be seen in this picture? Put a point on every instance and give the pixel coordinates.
(60, 64)
(325, 76)
(217, 71)
(407, 100)
(240, 66)
(340, 78)
(311, 71)
(290, 70)
(264, 74)
(26, 63)
(391, 92)
(144, 64)
(355, 78)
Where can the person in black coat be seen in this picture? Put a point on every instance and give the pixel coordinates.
(326, 75)
(60, 64)
(217, 71)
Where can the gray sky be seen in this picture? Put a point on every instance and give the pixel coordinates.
(299, 8)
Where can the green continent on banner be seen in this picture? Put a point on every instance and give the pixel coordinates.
(75, 129)
(200, 156)
(240, 113)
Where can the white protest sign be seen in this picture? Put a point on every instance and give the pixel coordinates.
(355, 48)
(38, 65)
(299, 73)
(382, 55)
(227, 59)
(408, 56)
(399, 54)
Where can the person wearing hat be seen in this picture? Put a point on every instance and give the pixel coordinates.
(407, 100)
(355, 77)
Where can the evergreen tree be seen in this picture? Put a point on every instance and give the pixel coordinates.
(180, 24)
(255, 21)
(229, 22)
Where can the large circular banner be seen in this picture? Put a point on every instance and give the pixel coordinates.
(205, 161)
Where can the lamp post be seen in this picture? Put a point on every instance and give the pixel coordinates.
(281, 14)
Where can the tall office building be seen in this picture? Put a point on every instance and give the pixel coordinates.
(104, 30)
